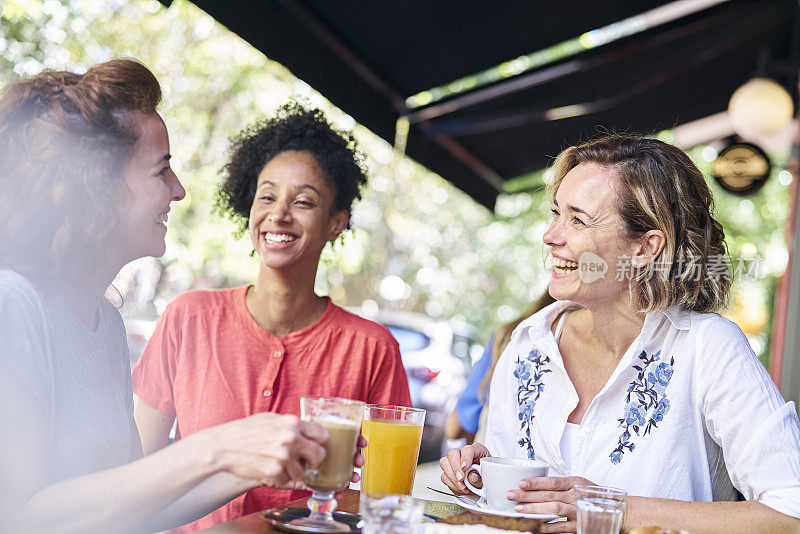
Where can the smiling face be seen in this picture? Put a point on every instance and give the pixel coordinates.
(586, 235)
(292, 215)
(152, 186)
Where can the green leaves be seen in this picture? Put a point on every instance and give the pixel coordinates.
(456, 258)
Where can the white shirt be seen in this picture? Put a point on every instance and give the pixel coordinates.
(689, 413)
(80, 378)
(569, 442)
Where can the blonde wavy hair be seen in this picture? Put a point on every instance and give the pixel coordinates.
(65, 139)
(660, 188)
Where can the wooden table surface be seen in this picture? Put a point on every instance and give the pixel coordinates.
(255, 524)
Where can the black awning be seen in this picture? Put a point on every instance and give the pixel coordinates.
(368, 57)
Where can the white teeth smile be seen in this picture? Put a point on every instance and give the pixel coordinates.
(162, 218)
(564, 264)
(278, 238)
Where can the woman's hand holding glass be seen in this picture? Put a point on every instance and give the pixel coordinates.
(271, 450)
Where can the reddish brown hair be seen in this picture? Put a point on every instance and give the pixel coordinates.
(64, 141)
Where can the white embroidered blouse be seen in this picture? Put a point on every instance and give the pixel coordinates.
(689, 413)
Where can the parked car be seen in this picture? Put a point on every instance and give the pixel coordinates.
(438, 357)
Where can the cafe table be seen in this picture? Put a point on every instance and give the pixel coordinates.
(255, 523)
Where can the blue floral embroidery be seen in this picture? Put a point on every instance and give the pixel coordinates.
(647, 403)
(529, 372)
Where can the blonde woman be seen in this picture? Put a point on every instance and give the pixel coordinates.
(630, 380)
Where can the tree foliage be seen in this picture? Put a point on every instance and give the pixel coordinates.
(454, 258)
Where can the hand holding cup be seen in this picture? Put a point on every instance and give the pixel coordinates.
(455, 464)
(500, 477)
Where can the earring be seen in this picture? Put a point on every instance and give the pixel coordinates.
(635, 262)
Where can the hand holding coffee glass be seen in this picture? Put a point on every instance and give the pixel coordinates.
(342, 419)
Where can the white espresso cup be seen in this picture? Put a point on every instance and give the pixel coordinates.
(500, 475)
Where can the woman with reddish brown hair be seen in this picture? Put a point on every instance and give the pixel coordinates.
(85, 187)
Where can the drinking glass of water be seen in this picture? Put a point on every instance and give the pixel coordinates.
(600, 509)
(390, 514)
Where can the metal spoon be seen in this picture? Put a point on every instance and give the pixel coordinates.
(458, 497)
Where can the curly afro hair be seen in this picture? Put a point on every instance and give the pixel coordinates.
(293, 127)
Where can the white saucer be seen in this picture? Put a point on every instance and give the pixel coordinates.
(481, 507)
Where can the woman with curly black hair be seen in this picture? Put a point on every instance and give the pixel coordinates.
(224, 354)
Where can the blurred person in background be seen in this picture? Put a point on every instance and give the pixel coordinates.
(629, 380)
(468, 420)
(85, 187)
(221, 354)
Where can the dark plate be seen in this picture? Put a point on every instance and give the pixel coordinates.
(281, 517)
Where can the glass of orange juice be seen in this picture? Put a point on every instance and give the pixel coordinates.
(393, 435)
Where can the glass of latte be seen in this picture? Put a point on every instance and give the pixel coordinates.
(342, 419)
